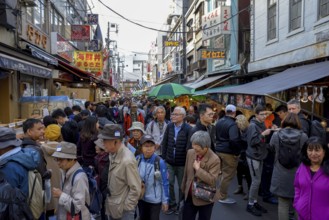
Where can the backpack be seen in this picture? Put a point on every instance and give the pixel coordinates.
(96, 197)
(36, 199)
(13, 205)
(317, 130)
(156, 169)
(289, 156)
(115, 114)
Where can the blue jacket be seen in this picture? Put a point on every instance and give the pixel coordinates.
(156, 191)
(15, 164)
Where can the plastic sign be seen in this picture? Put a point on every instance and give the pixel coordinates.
(172, 43)
(211, 54)
(216, 22)
(89, 61)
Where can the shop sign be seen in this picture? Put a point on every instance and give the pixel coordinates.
(89, 61)
(216, 22)
(172, 43)
(61, 47)
(80, 32)
(36, 37)
(92, 19)
(212, 54)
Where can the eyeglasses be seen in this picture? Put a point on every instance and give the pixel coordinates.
(262, 114)
(211, 114)
(176, 114)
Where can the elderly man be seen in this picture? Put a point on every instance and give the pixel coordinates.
(157, 127)
(124, 183)
(294, 107)
(173, 147)
(228, 147)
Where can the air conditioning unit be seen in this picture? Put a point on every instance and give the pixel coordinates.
(29, 3)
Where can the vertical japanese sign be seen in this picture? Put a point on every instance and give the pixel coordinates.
(92, 19)
(80, 32)
(89, 61)
(216, 22)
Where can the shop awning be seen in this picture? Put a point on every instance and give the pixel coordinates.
(290, 78)
(74, 70)
(212, 90)
(42, 55)
(25, 67)
(207, 81)
(166, 80)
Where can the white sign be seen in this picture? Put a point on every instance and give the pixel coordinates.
(216, 22)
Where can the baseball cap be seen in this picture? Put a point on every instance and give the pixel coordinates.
(111, 132)
(146, 138)
(230, 108)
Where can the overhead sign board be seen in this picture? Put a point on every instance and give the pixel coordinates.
(80, 32)
(216, 22)
(89, 61)
(212, 54)
(172, 43)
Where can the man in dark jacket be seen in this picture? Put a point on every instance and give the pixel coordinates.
(173, 148)
(228, 148)
(256, 153)
(206, 115)
(294, 107)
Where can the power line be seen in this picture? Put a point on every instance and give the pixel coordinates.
(158, 30)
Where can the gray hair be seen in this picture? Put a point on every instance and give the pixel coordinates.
(157, 109)
(201, 138)
(294, 102)
(182, 110)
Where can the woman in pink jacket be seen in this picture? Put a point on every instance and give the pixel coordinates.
(311, 182)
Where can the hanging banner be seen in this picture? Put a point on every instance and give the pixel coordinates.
(89, 61)
(80, 32)
(92, 19)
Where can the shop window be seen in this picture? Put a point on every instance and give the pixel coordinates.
(32, 86)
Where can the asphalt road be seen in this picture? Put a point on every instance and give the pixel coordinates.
(235, 211)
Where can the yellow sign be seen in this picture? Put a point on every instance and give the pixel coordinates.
(88, 61)
(205, 54)
(172, 43)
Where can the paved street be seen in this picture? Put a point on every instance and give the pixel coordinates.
(234, 212)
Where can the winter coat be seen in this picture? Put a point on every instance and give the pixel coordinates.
(154, 130)
(124, 183)
(305, 123)
(228, 138)
(15, 164)
(200, 127)
(257, 147)
(48, 149)
(86, 152)
(311, 194)
(78, 194)
(282, 183)
(174, 152)
(101, 162)
(156, 190)
(208, 173)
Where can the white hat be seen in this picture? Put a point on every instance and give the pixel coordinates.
(230, 108)
(137, 126)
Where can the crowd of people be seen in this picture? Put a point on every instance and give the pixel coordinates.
(136, 150)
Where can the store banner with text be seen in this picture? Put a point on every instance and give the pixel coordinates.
(80, 32)
(89, 61)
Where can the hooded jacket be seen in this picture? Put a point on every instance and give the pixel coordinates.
(15, 164)
(282, 183)
(257, 147)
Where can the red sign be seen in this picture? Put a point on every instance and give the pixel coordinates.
(80, 32)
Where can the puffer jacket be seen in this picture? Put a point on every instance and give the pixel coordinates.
(156, 189)
(78, 194)
(15, 164)
(257, 146)
(282, 183)
(174, 152)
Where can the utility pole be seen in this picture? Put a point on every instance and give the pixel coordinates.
(108, 50)
(142, 74)
(184, 10)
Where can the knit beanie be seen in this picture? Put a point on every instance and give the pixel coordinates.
(52, 132)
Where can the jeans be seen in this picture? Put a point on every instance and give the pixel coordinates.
(229, 165)
(268, 164)
(173, 172)
(149, 211)
(255, 167)
(190, 210)
(127, 215)
(284, 205)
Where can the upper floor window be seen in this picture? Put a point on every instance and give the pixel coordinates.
(37, 15)
(323, 8)
(271, 19)
(57, 22)
(295, 14)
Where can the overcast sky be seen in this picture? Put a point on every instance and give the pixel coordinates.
(132, 38)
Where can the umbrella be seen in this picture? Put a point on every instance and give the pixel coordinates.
(170, 91)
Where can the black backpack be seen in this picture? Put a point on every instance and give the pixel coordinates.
(13, 203)
(317, 130)
(289, 155)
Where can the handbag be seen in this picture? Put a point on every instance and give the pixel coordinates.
(203, 191)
